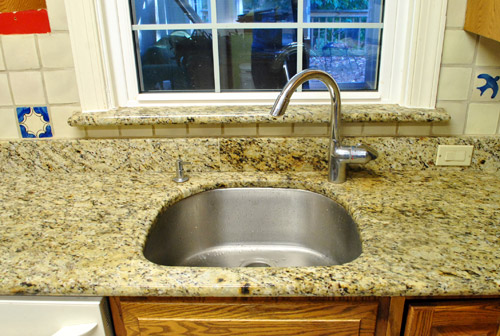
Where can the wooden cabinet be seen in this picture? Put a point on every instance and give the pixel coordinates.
(308, 317)
(453, 318)
(483, 18)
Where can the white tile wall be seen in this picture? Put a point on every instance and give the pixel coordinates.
(8, 123)
(458, 113)
(204, 130)
(57, 15)
(136, 131)
(27, 88)
(170, 130)
(482, 119)
(454, 83)
(55, 50)
(2, 63)
(5, 96)
(61, 86)
(455, 16)
(459, 47)
(275, 129)
(20, 52)
(239, 129)
(488, 53)
(60, 115)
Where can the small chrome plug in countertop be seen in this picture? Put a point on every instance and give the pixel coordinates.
(179, 171)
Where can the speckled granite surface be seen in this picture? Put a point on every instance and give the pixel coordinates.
(425, 233)
(254, 114)
(230, 154)
(67, 230)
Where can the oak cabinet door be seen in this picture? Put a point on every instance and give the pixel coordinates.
(454, 318)
(249, 318)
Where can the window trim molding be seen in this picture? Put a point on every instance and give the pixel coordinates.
(101, 77)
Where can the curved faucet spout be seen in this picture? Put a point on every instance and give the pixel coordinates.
(340, 156)
(281, 103)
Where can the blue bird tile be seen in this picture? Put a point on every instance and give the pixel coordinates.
(491, 83)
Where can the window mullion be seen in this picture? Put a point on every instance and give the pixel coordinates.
(300, 37)
(215, 44)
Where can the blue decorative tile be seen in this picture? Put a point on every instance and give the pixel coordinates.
(34, 122)
(491, 83)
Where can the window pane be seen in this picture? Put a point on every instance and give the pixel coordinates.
(170, 11)
(175, 60)
(351, 56)
(256, 11)
(343, 11)
(257, 59)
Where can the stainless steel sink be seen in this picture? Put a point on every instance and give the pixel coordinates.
(253, 227)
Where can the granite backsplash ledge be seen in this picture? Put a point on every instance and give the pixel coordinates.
(318, 114)
(299, 154)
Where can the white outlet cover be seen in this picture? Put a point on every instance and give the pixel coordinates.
(454, 155)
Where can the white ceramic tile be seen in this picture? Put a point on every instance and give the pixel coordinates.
(488, 52)
(2, 63)
(482, 119)
(454, 83)
(351, 129)
(274, 129)
(136, 131)
(379, 129)
(310, 129)
(20, 52)
(8, 124)
(459, 47)
(486, 80)
(59, 116)
(414, 129)
(176, 130)
(55, 50)
(61, 86)
(27, 87)
(204, 130)
(5, 97)
(103, 132)
(456, 125)
(240, 129)
(57, 15)
(455, 15)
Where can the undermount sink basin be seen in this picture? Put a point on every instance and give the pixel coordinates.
(253, 227)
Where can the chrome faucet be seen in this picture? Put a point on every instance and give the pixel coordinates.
(339, 156)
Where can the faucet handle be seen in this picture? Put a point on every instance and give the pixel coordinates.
(368, 151)
(179, 171)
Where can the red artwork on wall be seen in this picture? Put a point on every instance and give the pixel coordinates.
(24, 17)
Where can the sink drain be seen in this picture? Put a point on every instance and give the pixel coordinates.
(256, 263)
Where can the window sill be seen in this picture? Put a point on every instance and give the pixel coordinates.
(316, 114)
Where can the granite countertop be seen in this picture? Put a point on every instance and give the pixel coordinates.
(429, 232)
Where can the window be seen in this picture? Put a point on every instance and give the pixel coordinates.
(254, 45)
(378, 52)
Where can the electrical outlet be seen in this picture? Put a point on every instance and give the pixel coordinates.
(448, 155)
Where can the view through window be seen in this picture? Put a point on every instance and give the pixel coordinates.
(255, 45)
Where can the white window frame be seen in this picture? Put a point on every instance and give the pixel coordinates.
(103, 51)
